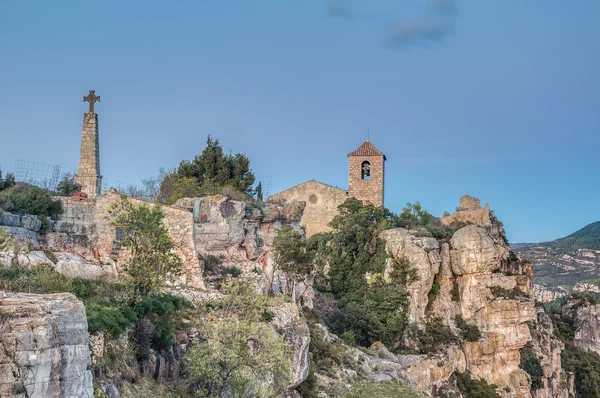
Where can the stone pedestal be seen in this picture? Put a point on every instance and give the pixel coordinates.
(88, 173)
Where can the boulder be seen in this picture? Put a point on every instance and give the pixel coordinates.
(31, 223)
(474, 251)
(10, 220)
(23, 237)
(71, 266)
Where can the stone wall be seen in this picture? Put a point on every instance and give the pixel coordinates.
(371, 190)
(179, 222)
(321, 200)
(88, 173)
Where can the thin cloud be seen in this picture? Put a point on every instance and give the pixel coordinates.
(418, 32)
(343, 9)
(443, 7)
(340, 10)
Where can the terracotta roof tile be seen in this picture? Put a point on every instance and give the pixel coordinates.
(367, 149)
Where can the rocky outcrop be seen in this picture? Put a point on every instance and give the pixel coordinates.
(544, 295)
(586, 322)
(474, 275)
(547, 349)
(287, 322)
(44, 346)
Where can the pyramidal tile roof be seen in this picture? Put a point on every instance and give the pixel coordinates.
(367, 149)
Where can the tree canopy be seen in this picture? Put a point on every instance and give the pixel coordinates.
(209, 173)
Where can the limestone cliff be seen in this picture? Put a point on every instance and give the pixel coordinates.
(585, 317)
(477, 278)
(44, 346)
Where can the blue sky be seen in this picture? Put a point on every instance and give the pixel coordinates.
(498, 99)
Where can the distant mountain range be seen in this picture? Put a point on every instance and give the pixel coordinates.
(562, 263)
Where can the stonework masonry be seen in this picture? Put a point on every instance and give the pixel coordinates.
(366, 177)
(88, 173)
(367, 190)
(321, 200)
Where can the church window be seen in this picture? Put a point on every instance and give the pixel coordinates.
(366, 170)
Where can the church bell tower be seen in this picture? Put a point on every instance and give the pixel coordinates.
(366, 174)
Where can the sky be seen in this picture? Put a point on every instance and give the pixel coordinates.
(496, 99)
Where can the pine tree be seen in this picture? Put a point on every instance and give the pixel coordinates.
(259, 192)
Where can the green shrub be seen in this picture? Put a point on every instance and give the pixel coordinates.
(67, 185)
(238, 349)
(373, 310)
(29, 199)
(531, 364)
(472, 388)
(211, 263)
(235, 271)
(514, 294)
(469, 332)
(167, 313)
(7, 182)
(434, 337)
(435, 290)
(349, 338)
(454, 293)
(378, 390)
(402, 273)
(109, 318)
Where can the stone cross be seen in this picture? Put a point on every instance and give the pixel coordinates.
(91, 98)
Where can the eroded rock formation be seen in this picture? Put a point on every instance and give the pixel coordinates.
(44, 346)
(477, 278)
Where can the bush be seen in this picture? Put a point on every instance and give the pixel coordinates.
(7, 182)
(413, 216)
(531, 364)
(235, 271)
(238, 349)
(373, 310)
(211, 263)
(434, 291)
(469, 332)
(454, 293)
(167, 313)
(435, 336)
(109, 318)
(67, 186)
(514, 294)
(388, 390)
(153, 261)
(28, 199)
(472, 388)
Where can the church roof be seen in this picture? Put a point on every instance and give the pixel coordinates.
(367, 149)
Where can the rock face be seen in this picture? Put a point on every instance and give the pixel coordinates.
(242, 236)
(586, 323)
(548, 350)
(287, 322)
(44, 341)
(478, 278)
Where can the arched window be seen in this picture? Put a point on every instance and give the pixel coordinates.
(365, 171)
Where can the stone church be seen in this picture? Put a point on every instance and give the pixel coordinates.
(366, 175)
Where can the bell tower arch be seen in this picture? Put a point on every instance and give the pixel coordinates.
(366, 174)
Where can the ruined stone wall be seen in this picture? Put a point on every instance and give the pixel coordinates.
(179, 222)
(371, 190)
(321, 200)
(88, 173)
